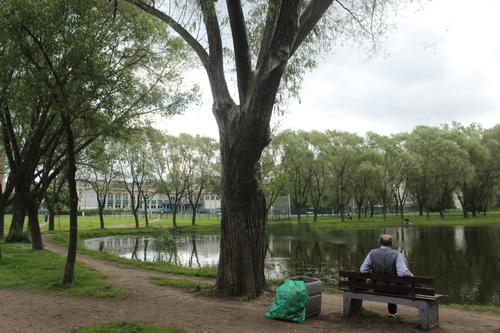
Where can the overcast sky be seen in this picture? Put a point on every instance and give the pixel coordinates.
(441, 64)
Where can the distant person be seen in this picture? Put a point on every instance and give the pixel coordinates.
(349, 216)
(385, 260)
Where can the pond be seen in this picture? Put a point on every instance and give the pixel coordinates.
(465, 261)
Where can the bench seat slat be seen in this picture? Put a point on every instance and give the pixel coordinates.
(390, 289)
(388, 278)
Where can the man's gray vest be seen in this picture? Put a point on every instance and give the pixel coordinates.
(383, 260)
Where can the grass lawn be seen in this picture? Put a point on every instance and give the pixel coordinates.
(187, 285)
(127, 327)
(211, 224)
(42, 271)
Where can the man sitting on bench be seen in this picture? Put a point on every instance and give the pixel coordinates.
(385, 260)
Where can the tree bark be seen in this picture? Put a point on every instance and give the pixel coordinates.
(52, 217)
(101, 215)
(69, 269)
(243, 205)
(136, 217)
(174, 215)
(146, 219)
(194, 205)
(244, 215)
(193, 217)
(2, 221)
(18, 215)
(34, 225)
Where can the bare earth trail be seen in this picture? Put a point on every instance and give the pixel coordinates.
(29, 312)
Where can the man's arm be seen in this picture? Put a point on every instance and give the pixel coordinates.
(401, 267)
(366, 265)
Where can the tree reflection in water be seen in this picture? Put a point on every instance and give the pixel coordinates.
(194, 253)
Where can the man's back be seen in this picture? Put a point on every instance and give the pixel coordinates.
(383, 260)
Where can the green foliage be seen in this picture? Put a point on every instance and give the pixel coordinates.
(425, 169)
(22, 268)
(164, 240)
(127, 327)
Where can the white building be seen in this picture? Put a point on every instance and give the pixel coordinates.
(119, 199)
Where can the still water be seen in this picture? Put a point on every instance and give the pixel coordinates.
(465, 261)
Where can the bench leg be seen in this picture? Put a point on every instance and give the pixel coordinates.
(352, 306)
(429, 315)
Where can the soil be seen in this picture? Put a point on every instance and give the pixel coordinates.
(27, 312)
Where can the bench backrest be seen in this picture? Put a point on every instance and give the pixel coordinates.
(387, 284)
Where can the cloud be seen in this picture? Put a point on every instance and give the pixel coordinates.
(440, 65)
(421, 81)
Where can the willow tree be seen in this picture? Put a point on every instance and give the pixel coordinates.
(272, 46)
(95, 74)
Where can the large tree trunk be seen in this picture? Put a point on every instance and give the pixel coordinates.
(244, 214)
(18, 215)
(69, 269)
(34, 225)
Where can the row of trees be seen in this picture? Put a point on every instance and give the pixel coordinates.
(70, 72)
(148, 162)
(71, 69)
(426, 168)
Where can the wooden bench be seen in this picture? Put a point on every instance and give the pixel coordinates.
(384, 288)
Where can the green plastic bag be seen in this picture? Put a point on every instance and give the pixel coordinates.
(290, 302)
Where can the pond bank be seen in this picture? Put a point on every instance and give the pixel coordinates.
(165, 306)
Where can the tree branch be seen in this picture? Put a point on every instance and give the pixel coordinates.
(370, 33)
(308, 20)
(188, 38)
(285, 32)
(241, 49)
(215, 68)
(269, 28)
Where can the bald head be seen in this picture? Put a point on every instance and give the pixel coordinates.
(385, 240)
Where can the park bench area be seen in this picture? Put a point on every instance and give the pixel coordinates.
(357, 286)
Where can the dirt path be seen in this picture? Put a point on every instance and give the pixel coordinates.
(28, 312)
